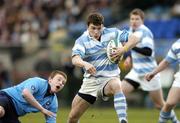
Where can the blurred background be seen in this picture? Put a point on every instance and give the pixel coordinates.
(36, 37)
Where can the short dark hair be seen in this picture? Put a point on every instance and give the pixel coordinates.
(55, 72)
(95, 18)
(137, 11)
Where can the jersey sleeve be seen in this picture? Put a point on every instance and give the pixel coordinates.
(171, 56)
(122, 35)
(32, 85)
(148, 42)
(78, 48)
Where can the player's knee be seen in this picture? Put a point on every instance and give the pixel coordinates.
(170, 104)
(2, 111)
(116, 87)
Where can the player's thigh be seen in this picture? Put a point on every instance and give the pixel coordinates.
(113, 86)
(126, 87)
(157, 97)
(79, 106)
(173, 96)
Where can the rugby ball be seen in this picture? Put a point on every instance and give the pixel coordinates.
(110, 49)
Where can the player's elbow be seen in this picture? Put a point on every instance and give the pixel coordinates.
(75, 59)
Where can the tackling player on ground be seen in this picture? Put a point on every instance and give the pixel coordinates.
(32, 95)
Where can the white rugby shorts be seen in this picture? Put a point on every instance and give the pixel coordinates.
(94, 86)
(176, 82)
(145, 85)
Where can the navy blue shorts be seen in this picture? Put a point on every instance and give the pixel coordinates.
(10, 112)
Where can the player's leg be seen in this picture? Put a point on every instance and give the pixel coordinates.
(128, 86)
(7, 110)
(157, 98)
(166, 112)
(130, 82)
(79, 106)
(113, 87)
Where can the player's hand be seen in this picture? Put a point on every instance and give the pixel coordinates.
(149, 76)
(117, 52)
(48, 113)
(90, 68)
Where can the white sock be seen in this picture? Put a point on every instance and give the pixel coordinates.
(173, 117)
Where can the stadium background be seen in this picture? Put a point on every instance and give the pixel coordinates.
(36, 36)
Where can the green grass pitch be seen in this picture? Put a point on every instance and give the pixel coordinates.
(101, 115)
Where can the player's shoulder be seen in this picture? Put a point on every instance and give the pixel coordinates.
(110, 29)
(83, 36)
(145, 29)
(115, 30)
(36, 79)
(176, 44)
(178, 41)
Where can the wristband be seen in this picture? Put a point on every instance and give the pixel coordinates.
(126, 48)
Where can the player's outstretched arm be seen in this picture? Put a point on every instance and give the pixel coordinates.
(162, 65)
(31, 100)
(132, 41)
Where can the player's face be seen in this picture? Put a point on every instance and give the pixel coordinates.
(57, 83)
(135, 21)
(95, 31)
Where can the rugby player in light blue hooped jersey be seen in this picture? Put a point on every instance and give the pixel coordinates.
(101, 77)
(173, 56)
(32, 95)
(143, 61)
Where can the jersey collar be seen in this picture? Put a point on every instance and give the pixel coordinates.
(48, 91)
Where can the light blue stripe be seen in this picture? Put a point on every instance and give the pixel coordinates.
(92, 58)
(143, 70)
(120, 107)
(170, 59)
(94, 49)
(142, 60)
(119, 95)
(120, 101)
(109, 67)
(122, 115)
(176, 51)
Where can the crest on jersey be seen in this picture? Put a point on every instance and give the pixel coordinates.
(33, 87)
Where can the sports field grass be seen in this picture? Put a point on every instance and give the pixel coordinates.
(98, 115)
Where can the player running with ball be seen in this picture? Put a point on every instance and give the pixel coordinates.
(101, 77)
